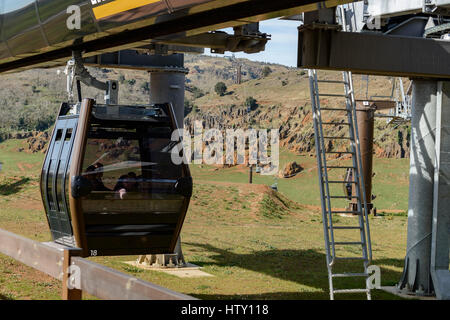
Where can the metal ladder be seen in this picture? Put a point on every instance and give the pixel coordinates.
(347, 119)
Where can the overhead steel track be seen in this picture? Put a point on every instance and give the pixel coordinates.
(368, 53)
(125, 31)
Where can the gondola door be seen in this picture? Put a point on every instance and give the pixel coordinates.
(54, 177)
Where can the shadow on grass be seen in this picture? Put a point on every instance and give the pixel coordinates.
(305, 267)
(376, 295)
(3, 297)
(8, 189)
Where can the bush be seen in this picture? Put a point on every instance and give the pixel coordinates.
(189, 107)
(197, 92)
(251, 103)
(220, 88)
(266, 71)
(145, 86)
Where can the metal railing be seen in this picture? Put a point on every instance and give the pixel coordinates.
(82, 275)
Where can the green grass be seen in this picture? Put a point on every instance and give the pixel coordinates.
(257, 244)
(19, 163)
(390, 183)
(270, 209)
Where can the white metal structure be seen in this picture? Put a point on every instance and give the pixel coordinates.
(392, 8)
(347, 118)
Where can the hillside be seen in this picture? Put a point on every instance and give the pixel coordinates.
(282, 100)
(279, 98)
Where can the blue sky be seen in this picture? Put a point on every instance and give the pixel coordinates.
(281, 49)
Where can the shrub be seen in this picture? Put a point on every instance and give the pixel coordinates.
(251, 103)
(220, 88)
(197, 92)
(266, 71)
(189, 107)
(145, 86)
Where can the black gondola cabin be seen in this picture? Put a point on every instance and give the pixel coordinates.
(108, 183)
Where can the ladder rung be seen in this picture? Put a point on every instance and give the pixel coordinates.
(350, 243)
(345, 228)
(349, 258)
(343, 197)
(344, 275)
(336, 123)
(332, 95)
(338, 138)
(333, 109)
(332, 81)
(351, 291)
(339, 167)
(339, 152)
(352, 212)
(354, 182)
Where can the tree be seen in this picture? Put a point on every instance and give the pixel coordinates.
(220, 88)
(250, 103)
(266, 71)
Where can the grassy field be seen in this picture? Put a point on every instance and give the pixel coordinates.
(256, 243)
(390, 183)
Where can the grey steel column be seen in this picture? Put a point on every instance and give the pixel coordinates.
(167, 85)
(416, 278)
(441, 211)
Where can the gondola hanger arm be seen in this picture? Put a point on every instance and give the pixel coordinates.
(75, 70)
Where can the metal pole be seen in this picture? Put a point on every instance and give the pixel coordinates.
(250, 174)
(366, 120)
(441, 213)
(416, 278)
(167, 85)
(239, 74)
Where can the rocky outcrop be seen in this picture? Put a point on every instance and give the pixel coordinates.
(290, 170)
(35, 142)
(296, 128)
